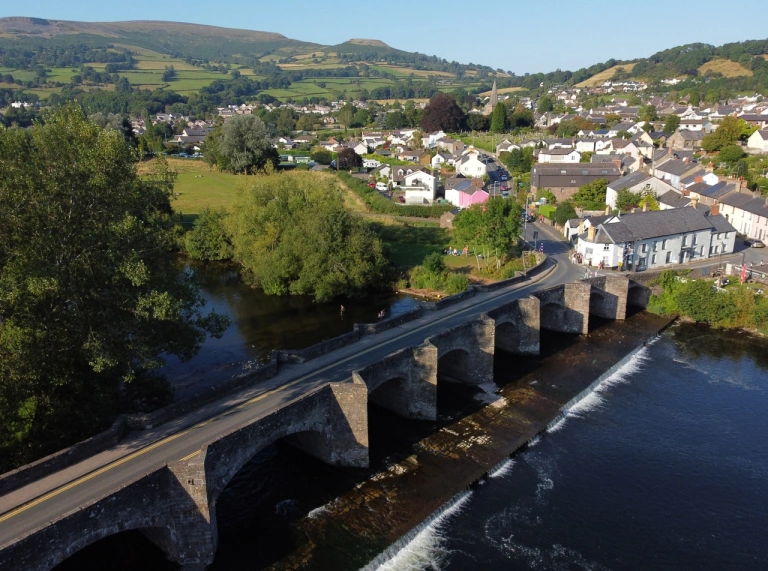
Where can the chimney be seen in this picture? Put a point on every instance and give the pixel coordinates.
(742, 183)
(715, 210)
(694, 202)
(607, 210)
(581, 225)
(645, 206)
(591, 234)
(686, 192)
(685, 160)
(698, 179)
(710, 167)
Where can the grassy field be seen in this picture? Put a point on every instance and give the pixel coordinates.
(603, 76)
(503, 91)
(725, 66)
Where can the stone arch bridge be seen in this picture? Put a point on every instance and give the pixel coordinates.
(175, 505)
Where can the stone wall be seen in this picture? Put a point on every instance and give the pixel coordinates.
(404, 382)
(565, 308)
(518, 326)
(386, 324)
(608, 296)
(465, 352)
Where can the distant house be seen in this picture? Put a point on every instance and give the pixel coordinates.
(471, 165)
(463, 193)
(559, 156)
(674, 170)
(452, 146)
(446, 220)
(638, 183)
(758, 141)
(420, 187)
(685, 139)
(564, 180)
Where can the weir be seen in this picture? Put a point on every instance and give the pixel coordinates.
(175, 505)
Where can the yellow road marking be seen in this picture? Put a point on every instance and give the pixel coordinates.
(242, 405)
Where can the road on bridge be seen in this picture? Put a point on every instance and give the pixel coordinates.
(36, 505)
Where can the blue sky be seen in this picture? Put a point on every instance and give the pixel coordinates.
(519, 36)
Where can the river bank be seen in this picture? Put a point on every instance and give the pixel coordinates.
(360, 525)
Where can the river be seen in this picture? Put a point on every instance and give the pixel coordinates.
(261, 323)
(665, 466)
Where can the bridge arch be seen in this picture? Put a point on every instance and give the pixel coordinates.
(638, 295)
(159, 530)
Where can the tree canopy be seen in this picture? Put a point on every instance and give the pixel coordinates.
(591, 196)
(494, 224)
(729, 132)
(348, 159)
(242, 144)
(293, 235)
(90, 296)
(564, 212)
(442, 113)
(499, 118)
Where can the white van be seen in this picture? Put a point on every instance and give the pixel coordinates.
(382, 186)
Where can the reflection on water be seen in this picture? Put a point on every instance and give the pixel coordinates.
(261, 323)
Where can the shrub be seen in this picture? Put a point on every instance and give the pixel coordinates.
(208, 239)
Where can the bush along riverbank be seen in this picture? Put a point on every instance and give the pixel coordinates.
(736, 306)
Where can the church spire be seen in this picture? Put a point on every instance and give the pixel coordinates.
(494, 94)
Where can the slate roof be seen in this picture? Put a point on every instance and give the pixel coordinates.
(676, 167)
(746, 202)
(718, 190)
(629, 181)
(658, 223)
(674, 199)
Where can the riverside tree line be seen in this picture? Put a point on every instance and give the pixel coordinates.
(91, 292)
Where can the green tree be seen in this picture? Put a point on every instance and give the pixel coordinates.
(492, 227)
(208, 239)
(434, 263)
(591, 196)
(321, 155)
(521, 118)
(731, 154)
(90, 296)
(672, 124)
(477, 122)
(242, 145)
(586, 157)
(499, 118)
(169, 74)
(648, 113)
(293, 235)
(626, 200)
(727, 133)
(518, 161)
(545, 104)
(546, 194)
(346, 115)
(564, 212)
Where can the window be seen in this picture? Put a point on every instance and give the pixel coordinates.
(664, 245)
(644, 248)
(604, 171)
(693, 243)
(685, 240)
(584, 171)
(606, 247)
(653, 260)
(669, 256)
(655, 246)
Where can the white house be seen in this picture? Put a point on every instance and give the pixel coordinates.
(758, 141)
(747, 212)
(420, 187)
(655, 239)
(471, 166)
(440, 159)
(559, 156)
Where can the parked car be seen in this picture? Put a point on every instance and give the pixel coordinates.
(401, 199)
(503, 176)
(754, 243)
(503, 187)
(381, 186)
(371, 185)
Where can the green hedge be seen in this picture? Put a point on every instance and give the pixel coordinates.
(547, 211)
(382, 205)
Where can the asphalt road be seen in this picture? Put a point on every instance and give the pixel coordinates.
(34, 506)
